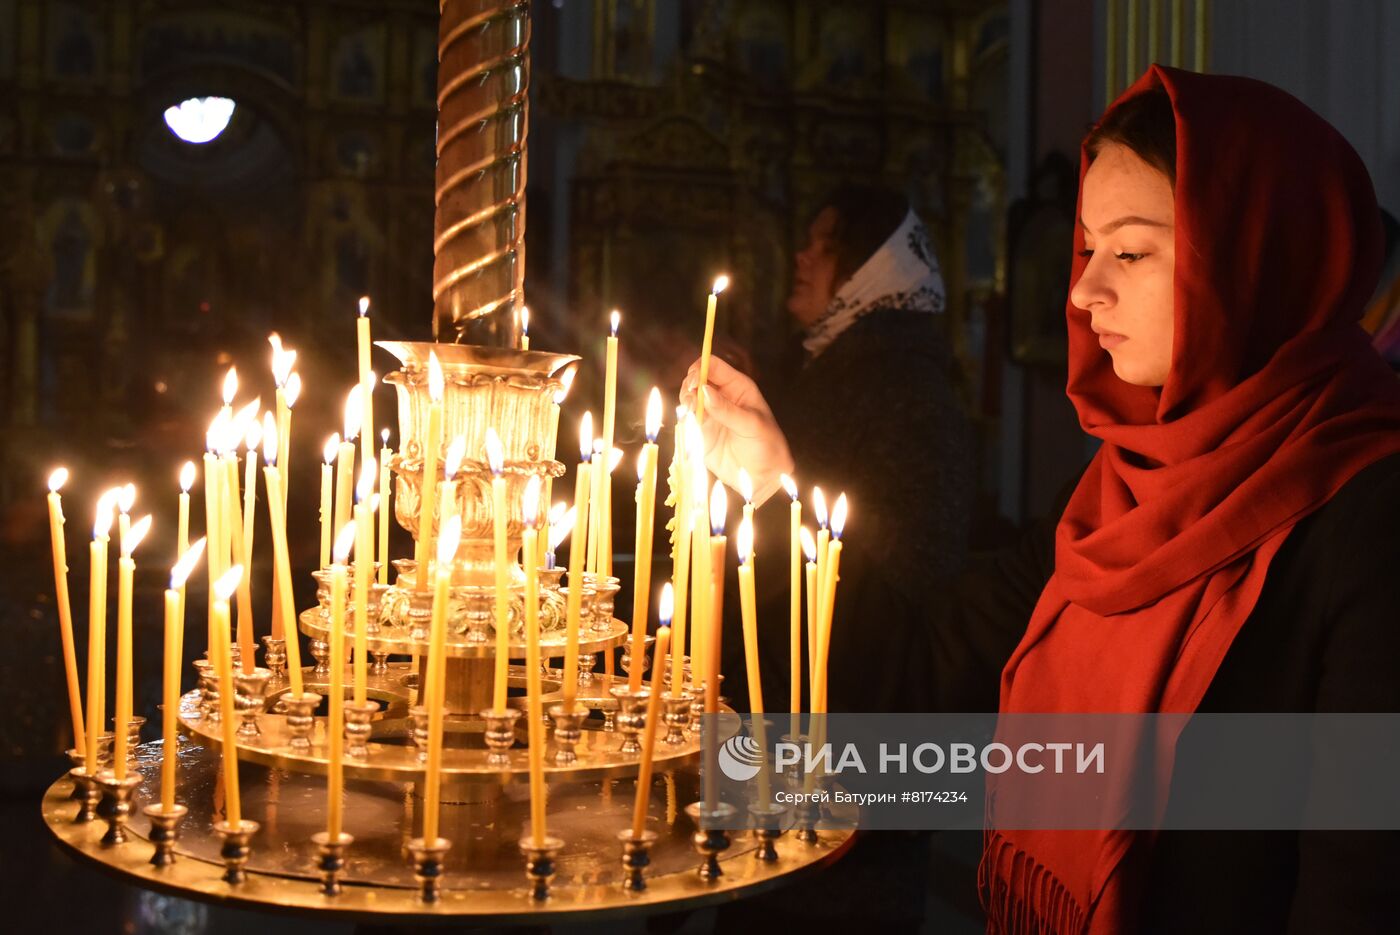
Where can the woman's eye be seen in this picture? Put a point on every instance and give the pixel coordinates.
(1086, 253)
(1130, 257)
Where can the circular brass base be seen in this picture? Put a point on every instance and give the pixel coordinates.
(484, 876)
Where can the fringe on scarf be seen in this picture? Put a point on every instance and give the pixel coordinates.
(1022, 896)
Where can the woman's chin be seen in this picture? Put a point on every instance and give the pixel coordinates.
(1133, 373)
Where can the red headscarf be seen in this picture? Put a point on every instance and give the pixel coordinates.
(1274, 401)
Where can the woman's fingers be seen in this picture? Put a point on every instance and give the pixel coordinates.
(737, 419)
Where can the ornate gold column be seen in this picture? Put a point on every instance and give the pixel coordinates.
(479, 223)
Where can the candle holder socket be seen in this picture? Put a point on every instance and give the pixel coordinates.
(636, 856)
(768, 827)
(330, 859)
(90, 794)
(605, 588)
(631, 715)
(427, 866)
(275, 658)
(500, 734)
(117, 794)
(358, 727)
(250, 694)
(626, 661)
(235, 849)
(568, 721)
(165, 831)
(677, 717)
(321, 652)
(418, 730)
(540, 864)
(208, 684)
(301, 719)
(378, 662)
(710, 840)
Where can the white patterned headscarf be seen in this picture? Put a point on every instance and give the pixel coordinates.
(902, 273)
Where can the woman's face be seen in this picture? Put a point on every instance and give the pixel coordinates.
(1128, 215)
(814, 280)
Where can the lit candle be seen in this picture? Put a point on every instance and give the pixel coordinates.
(680, 552)
(561, 523)
(174, 651)
(809, 546)
(366, 384)
(282, 574)
(97, 627)
(386, 505)
(578, 548)
(566, 380)
(335, 721)
(364, 570)
(434, 692)
(451, 464)
(828, 602)
(229, 392)
(126, 499)
(345, 458)
(748, 608)
(284, 429)
(288, 390)
(534, 701)
(182, 526)
(213, 497)
(595, 507)
(823, 538)
(719, 507)
(126, 571)
(524, 328)
(224, 589)
(609, 427)
(720, 284)
(658, 676)
(246, 638)
(794, 601)
(65, 609)
(495, 456)
(429, 446)
(328, 456)
(646, 518)
(702, 578)
(746, 491)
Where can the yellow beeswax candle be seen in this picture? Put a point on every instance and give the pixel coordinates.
(65, 608)
(386, 505)
(224, 589)
(328, 456)
(646, 519)
(430, 445)
(710, 303)
(534, 702)
(335, 721)
(435, 691)
(658, 676)
(495, 457)
(126, 571)
(577, 550)
(174, 651)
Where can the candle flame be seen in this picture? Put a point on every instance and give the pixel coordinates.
(135, 534)
(789, 485)
(57, 479)
(126, 499)
(819, 506)
(373, 503)
(364, 305)
(185, 566)
(282, 360)
(448, 537)
(218, 430)
(614, 320)
(228, 583)
(253, 437)
(105, 504)
(530, 507)
(269, 438)
(561, 523)
(614, 459)
(744, 542)
(187, 474)
(452, 460)
(344, 542)
(653, 415)
(566, 380)
(641, 465)
(524, 318)
(275, 340)
(237, 430)
(230, 385)
(384, 435)
(838, 516)
(809, 544)
(666, 607)
(292, 392)
(436, 380)
(745, 486)
(585, 437)
(365, 487)
(719, 508)
(721, 283)
(495, 454)
(353, 411)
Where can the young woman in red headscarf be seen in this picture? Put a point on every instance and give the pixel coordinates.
(1229, 547)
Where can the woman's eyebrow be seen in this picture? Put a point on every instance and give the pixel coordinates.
(1113, 225)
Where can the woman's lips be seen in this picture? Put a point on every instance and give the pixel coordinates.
(1108, 341)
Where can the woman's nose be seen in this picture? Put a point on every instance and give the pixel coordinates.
(1091, 290)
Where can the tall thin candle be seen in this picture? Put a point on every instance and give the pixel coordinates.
(809, 547)
(578, 548)
(710, 303)
(430, 444)
(282, 574)
(609, 428)
(386, 505)
(794, 601)
(335, 721)
(714, 629)
(828, 602)
(495, 457)
(224, 589)
(748, 607)
(174, 652)
(434, 692)
(97, 627)
(534, 701)
(328, 456)
(65, 608)
(364, 570)
(366, 384)
(646, 519)
(702, 580)
(658, 682)
(345, 459)
(126, 571)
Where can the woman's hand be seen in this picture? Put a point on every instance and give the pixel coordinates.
(739, 429)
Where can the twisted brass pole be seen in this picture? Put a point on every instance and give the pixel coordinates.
(479, 221)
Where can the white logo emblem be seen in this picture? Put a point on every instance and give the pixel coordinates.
(740, 758)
